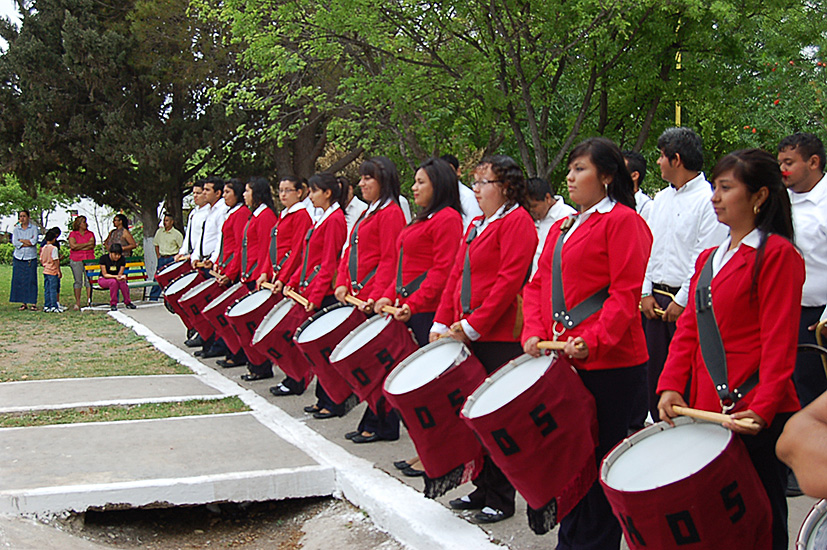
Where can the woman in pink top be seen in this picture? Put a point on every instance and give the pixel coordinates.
(81, 247)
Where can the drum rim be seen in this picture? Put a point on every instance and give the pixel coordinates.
(227, 314)
(816, 514)
(194, 291)
(314, 317)
(465, 352)
(224, 295)
(172, 266)
(352, 335)
(627, 443)
(194, 274)
(287, 303)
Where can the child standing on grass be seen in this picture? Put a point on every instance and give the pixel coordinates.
(50, 259)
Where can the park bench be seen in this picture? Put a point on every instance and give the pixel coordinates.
(135, 272)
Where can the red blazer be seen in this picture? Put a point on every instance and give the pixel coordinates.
(611, 249)
(290, 233)
(323, 250)
(257, 232)
(759, 329)
(428, 245)
(377, 241)
(232, 233)
(500, 260)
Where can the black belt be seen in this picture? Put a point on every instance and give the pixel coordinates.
(167, 256)
(666, 288)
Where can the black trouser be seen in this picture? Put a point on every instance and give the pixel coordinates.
(658, 337)
(591, 525)
(808, 377)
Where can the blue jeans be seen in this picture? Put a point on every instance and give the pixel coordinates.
(155, 293)
(51, 288)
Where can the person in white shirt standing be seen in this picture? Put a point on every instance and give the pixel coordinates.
(683, 225)
(467, 199)
(217, 213)
(546, 208)
(195, 222)
(636, 164)
(801, 157)
(355, 205)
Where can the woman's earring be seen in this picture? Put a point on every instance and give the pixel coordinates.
(755, 209)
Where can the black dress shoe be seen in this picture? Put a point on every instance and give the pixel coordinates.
(199, 353)
(401, 464)
(281, 390)
(359, 438)
(211, 353)
(322, 415)
(311, 409)
(195, 342)
(490, 515)
(351, 435)
(227, 364)
(250, 377)
(413, 472)
(465, 503)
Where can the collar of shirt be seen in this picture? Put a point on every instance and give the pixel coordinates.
(602, 207)
(259, 210)
(500, 213)
(234, 208)
(295, 208)
(333, 207)
(700, 179)
(723, 254)
(376, 206)
(814, 195)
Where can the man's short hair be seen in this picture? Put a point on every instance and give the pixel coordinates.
(451, 159)
(684, 142)
(636, 163)
(806, 144)
(538, 188)
(217, 183)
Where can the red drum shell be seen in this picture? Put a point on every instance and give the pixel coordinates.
(318, 336)
(176, 290)
(431, 411)
(195, 300)
(721, 505)
(172, 271)
(245, 316)
(544, 435)
(366, 356)
(215, 310)
(274, 338)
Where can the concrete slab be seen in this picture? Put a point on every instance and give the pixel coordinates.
(99, 392)
(174, 461)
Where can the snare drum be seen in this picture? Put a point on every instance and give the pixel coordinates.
(215, 310)
(366, 356)
(539, 424)
(274, 338)
(428, 389)
(195, 300)
(691, 486)
(318, 336)
(813, 534)
(172, 271)
(244, 317)
(176, 290)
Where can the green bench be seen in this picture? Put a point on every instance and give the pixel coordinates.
(135, 272)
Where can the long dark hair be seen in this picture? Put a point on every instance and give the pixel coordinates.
(512, 177)
(238, 189)
(756, 169)
(383, 170)
(262, 193)
(325, 181)
(608, 159)
(445, 187)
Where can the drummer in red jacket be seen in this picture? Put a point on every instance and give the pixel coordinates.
(368, 266)
(255, 246)
(757, 275)
(480, 303)
(284, 255)
(603, 250)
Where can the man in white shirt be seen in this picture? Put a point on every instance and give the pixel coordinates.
(195, 222)
(355, 206)
(801, 157)
(683, 224)
(636, 164)
(470, 206)
(546, 208)
(211, 236)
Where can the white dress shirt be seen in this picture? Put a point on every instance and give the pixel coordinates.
(470, 206)
(211, 238)
(683, 225)
(352, 213)
(643, 204)
(406, 208)
(315, 213)
(195, 228)
(557, 211)
(810, 224)
(723, 254)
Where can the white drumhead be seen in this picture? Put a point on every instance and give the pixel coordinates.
(223, 296)
(180, 283)
(360, 336)
(272, 319)
(197, 288)
(324, 324)
(508, 383)
(659, 456)
(172, 266)
(813, 535)
(249, 303)
(427, 365)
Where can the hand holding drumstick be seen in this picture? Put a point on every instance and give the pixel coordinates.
(672, 404)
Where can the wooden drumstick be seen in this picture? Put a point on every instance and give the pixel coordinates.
(200, 264)
(215, 273)
(719, 418)
(292, 294)
(557, 346)
(353, 300)
(658, 311)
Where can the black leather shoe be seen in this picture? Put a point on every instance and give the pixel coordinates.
(210, 353)
(351, 435)
(401, 464)
(465, 503)
(281, 390)
(311, 409)
(227, 364)
(322, 415)
(199, 353)
(490, 515)
(195, 342)
(130, 305)
(413, 472)
(250, 377)
(359, 438)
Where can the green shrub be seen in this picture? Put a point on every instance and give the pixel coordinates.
(6, 251)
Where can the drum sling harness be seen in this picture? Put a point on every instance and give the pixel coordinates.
(465, 289)
(712, 346)
(353, 259)
(274, 251)
(248, 272)
(413, 286)
(570, 318)
(304, 283)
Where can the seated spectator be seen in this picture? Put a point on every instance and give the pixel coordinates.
(112, 277)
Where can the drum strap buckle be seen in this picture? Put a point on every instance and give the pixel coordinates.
(557, 333)
(727, 405)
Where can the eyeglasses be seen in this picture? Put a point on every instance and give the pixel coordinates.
(484, 182)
